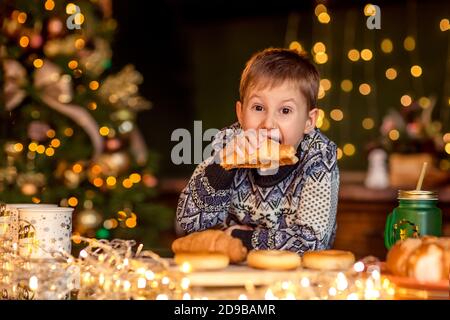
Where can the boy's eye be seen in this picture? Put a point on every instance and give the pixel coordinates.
(258, 108)
(285, 110)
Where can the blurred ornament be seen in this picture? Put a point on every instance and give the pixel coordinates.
(55, 27)
(97, 60)
(30, 183)
(112, 164)
(36, 41)
(15, 80)
(377, 173)
(123, 115)
(37, 130)
(71, 179)
(149, 180)
(87, 219)
(64, 46)
(113, 144)
(121, 90)
(11, 27)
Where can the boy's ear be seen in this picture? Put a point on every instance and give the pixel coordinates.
(311, 120)
(239, 111)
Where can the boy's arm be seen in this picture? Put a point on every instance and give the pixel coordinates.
(315, 225)
(204, 202)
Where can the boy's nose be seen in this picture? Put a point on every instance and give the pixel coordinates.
(269, 123)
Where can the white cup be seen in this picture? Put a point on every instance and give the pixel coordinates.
(9, 218)
(44, 230)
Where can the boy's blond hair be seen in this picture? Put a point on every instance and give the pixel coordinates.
(273, 66)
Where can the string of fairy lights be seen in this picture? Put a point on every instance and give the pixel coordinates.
(321, 54)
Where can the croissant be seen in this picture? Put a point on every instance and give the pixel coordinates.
(425, 259)
(211, 241)
(271, 153)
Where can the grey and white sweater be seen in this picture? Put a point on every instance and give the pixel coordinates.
(294, 209)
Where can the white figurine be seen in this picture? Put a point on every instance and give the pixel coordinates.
(377, 173)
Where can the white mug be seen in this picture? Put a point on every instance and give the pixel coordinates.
(44, 230)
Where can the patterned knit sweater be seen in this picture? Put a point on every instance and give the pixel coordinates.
(294, 209)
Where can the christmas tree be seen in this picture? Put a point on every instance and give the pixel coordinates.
(68, 130)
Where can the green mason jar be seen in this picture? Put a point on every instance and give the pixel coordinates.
(416, 215)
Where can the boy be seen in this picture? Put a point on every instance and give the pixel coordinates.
(293, 208)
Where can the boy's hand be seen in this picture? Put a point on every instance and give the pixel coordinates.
(237, 227)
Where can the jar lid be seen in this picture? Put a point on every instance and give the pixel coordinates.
(417, 195)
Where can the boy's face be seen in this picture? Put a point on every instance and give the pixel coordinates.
(281, 107)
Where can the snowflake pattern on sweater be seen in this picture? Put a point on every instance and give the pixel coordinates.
(294, 209)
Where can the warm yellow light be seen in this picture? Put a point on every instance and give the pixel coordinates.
(73, 64)
(349, 149)
(409, 43)
(321, 57)
(324, 17)
(49, 5)
(319, 47)
(444, 25)
(366, 54)
(40, 149)
(98, 182)
(93, 85)
(446, 137)
(364, 89)
(369, 10)
(77, 168)
(405, 100)
(73, 202)
(295, 45)
(71, 8)
(424, 102)
(394, 134)
(339, 153)
(68, 132)
(337, 114)
(50, 152)
(38, 63)
(391, 73)
(346, 85)
(32, 146)
(36, 200)
(79, 19)
(321, 92)
(416, 71)
(111, 181)
(92, 106)
(135, 177)
(18, 147)
(51, 133)
(79, 43)
(326, 84)
(55, 143)
(130, 223)
(447, 148)
(319, 122)
(22, 17)
(104, 131)
(325, 124)
(127, 183)
(387, 45)
(319, 9)
(96, 169)
(368, 123)
(353, 55)
(24, 41)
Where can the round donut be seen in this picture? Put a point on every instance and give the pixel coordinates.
(328, 259)
(203, 261)
(273, 259)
